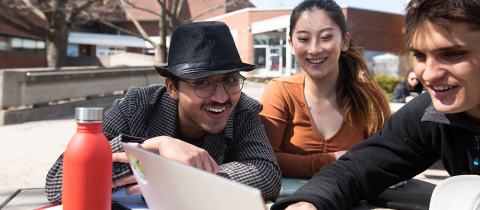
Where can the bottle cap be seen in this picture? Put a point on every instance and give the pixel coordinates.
(89, 114)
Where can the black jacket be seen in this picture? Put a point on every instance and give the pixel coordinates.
(400, 91)
(413, 139)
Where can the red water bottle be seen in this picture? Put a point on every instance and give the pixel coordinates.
(87, 164)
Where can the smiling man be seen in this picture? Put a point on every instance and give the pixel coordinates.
(444, 36)
(199, 117)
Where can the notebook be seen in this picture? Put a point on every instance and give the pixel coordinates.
(170, 185)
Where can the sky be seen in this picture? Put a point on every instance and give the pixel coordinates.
(392, 6)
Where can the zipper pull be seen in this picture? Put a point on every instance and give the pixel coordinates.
(476, 146)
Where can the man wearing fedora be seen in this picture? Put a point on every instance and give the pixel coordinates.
(199, 117)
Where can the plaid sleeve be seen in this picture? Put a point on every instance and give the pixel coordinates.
(53, 186)
(250, 158)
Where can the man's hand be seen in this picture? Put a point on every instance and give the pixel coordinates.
(170, 148)
(130, 179)
(182, 152)
(301, 206)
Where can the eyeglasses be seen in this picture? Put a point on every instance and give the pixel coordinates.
(205, 88)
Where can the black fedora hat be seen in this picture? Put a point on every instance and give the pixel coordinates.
(202, 49)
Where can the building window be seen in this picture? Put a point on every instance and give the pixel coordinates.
(271, 38)
(4, 43)
(27, 45)
(109, 50)
(260, 39)
(259, 56)
(72, 50)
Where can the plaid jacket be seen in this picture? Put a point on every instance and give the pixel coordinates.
(241, 149)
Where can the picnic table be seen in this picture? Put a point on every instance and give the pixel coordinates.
(415, 191)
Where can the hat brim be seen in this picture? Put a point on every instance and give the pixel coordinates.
(199, 73)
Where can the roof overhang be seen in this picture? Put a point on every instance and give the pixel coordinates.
(249, 9)
(105, 40)
(272, 24)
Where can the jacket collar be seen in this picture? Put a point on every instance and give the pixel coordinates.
(455, 119)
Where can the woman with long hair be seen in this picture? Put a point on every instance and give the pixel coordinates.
(312, 118)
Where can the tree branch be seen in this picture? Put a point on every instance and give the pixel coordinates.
(177, 9)
(17, 25)
(144, 34)
(34, 9)
(46, 9)
(141, 8)
(24, 25)
(81, 6)
(164, 7)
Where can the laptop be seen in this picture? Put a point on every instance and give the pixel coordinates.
(170, 185)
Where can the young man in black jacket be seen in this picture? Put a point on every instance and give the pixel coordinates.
(444, 36)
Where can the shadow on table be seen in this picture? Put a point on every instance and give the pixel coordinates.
(415, 195)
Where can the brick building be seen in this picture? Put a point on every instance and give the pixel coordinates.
(19, 49)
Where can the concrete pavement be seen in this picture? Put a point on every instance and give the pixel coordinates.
(29, 150)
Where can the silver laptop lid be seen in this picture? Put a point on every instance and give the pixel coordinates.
(170, 185)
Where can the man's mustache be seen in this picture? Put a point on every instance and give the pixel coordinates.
(214, 104)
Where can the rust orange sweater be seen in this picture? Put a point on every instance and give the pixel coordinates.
(299, 149)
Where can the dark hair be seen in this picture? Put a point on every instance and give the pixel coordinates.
(407, 84)
(440, 12)
(175, 81)
(352, 96)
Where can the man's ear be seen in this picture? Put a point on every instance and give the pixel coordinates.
(172, 91)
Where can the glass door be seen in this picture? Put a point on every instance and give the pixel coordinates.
(274, 62)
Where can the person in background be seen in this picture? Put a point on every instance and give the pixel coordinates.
(312, 118)
(199, 117)
(444, 36)
(407, 89)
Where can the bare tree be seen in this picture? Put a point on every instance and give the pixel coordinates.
(58, 18)
(169, 18)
